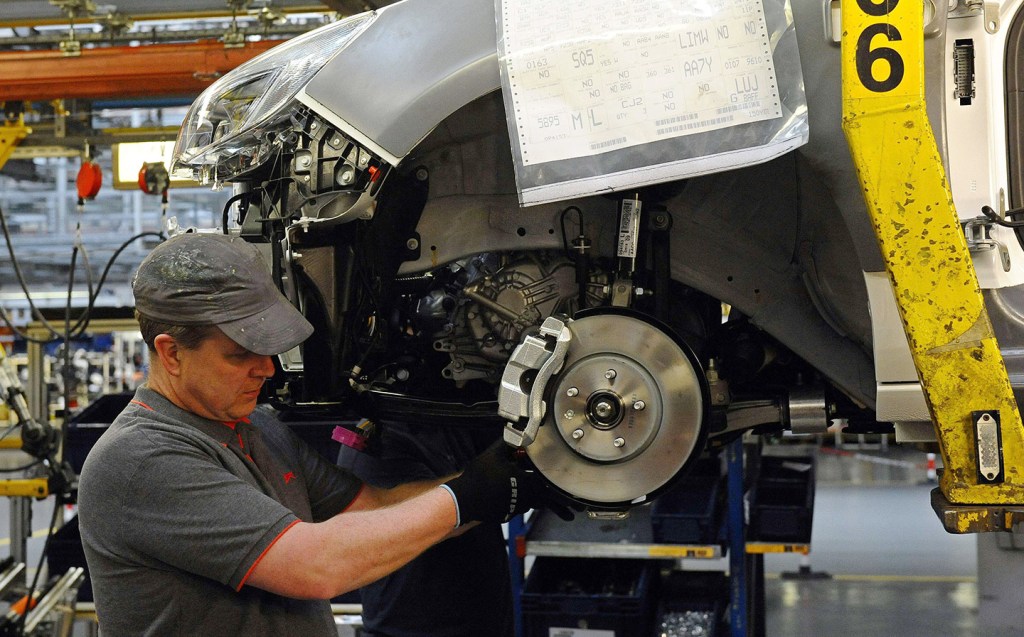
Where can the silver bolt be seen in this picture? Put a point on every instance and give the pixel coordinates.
(364, 161)
(618, 442)
(346, 177)
(577, 434)
(639, 405)
(336, 141)
(572, 391)
(569, 414)
(610, 374)
(412, 243)
(313, 126)
(603, 409)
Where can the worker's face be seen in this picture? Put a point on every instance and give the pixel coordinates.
(220, 379)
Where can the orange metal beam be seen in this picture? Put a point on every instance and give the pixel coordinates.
(122, 71)
(141, 14)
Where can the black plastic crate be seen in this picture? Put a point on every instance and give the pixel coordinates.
(782, 500)
(694, 598)
(64, 551)
(573, 594)
(86, 427)
(690, 512)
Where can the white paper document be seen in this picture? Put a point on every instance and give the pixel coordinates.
(591, 76)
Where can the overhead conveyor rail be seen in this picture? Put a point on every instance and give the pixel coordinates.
(951, 339)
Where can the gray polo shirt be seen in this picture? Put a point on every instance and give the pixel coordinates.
(176, 510)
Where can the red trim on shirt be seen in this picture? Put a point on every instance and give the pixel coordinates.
(231, 424)
(139, 402)
(353, 501)
(254, 564)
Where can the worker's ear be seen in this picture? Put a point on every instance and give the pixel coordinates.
(167, 352)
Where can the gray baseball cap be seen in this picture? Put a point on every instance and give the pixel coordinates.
(216, 279)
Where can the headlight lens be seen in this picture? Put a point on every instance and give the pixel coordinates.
(224, 131)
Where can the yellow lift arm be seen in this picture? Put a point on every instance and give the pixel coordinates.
(948, 329)
(11, 133)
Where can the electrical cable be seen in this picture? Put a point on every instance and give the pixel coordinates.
(995, 218)
(21, 468)
(21, 281)
(81, 324)
(58, 499)
(80, 244)
(68, 372)
(227, 209)
(83, 321)
(565, 237)
(9, 430)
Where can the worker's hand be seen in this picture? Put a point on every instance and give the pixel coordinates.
(561, 505)
(495, 487)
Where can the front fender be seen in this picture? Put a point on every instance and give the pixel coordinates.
(419, 62)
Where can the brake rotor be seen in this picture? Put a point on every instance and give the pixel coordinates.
(626, 412)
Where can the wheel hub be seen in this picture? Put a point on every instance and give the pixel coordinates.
(626, 411)
(608, 418)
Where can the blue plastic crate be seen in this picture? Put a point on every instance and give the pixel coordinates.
(589, 594)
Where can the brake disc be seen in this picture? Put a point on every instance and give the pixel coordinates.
(626, 411)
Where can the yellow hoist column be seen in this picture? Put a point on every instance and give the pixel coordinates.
(954, 349)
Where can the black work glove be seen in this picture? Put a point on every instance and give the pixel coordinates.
(495, 487)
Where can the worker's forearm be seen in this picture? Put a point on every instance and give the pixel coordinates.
(325, 559)
(374, 498)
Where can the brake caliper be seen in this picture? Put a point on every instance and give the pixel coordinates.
(533, 363)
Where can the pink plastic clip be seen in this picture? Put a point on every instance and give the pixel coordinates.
(349, 438)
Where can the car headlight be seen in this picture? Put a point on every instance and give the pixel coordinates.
(225, 130)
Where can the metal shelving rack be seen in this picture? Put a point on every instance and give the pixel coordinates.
(631, 538)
